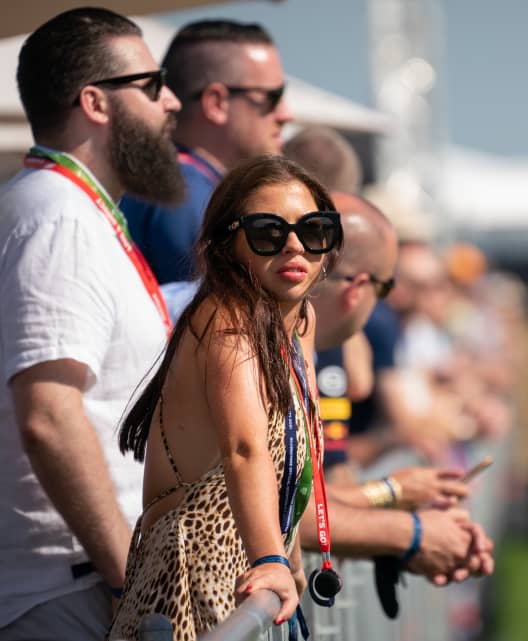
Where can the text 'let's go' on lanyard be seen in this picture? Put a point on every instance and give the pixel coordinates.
(66, 166)
(325, 583)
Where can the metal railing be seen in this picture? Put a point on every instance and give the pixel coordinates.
(250, 621)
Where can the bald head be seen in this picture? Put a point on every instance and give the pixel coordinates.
(368, 235)
(344, 302)
(328, 155)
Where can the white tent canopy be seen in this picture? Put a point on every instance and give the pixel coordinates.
(313, 105)
(23, 16)
(483, 191)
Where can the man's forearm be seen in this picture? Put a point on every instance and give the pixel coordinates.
(68, 460)
(362, 533)
(70, 466)
(359, 532)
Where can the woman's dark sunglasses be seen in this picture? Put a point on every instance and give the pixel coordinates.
(152, 88)
(266, 234)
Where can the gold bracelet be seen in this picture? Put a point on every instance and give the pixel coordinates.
(378, 493)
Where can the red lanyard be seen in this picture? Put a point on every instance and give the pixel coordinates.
(145, 273)
(321, 506)
(186, 158)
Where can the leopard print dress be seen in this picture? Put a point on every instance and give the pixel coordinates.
(185, 565)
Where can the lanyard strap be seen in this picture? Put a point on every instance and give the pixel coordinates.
(67, 167)
(294, 496)
(288, 488)
(312, 420)
(188, 159)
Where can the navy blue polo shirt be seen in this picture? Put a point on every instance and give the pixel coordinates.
(167, 236)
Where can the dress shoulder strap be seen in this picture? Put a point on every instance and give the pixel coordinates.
(205, 478)
(179, 481)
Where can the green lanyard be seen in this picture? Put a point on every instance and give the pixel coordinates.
(39, 158)
(305, 485)
(70, 163)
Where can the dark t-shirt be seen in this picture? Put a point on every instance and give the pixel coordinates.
(382, 331)
(335, 406)
(167, 236)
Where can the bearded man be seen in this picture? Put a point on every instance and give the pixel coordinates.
(229, 77)
(81, 319)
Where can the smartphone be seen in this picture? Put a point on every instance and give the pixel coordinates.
(477, 469)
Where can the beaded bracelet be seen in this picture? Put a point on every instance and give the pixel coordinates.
(271, 558)
(416, 540)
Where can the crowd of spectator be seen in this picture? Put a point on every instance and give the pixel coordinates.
(410, 344)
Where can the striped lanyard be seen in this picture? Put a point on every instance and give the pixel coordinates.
(312, 421)
(68, 167)
(187, 158)
(294, 495)
(324, 583)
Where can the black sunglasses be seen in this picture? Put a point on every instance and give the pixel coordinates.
(382, 287)
(152, 88)
(272, 96)
(266, 234)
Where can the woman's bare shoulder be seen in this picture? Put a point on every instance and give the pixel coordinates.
(219, 331)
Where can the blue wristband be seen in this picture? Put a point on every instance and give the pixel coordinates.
(416, 540)
(271, 558)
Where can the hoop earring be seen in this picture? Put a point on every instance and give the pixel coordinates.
(324, 273)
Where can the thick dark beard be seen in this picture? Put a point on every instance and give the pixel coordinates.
(145, 162)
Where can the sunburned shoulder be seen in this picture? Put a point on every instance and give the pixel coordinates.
(218, 328)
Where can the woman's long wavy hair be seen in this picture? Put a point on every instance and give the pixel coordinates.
(252, 311)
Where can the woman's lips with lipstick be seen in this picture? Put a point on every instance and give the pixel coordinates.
(292, 272)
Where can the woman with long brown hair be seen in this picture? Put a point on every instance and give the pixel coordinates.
(224, 425)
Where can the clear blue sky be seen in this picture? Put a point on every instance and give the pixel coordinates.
(486, 55)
